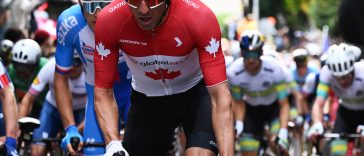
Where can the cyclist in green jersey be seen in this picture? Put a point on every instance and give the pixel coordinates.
(25, 65)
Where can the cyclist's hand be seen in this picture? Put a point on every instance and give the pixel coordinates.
(239, 127)
(71, 131)
(283, 138)
(360, 130)
(10, 145)
(114, 147)
(316, 130)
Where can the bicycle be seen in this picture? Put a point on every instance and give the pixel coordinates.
(353, 146)
(268, 144)
(76, 141)
(26, 125)
(3, 150)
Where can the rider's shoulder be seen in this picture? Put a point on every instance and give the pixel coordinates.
(74, 12)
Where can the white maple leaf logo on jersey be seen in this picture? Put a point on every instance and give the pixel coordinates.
(213, 47)
(102, 50)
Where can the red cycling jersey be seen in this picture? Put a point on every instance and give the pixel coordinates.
(170, 59)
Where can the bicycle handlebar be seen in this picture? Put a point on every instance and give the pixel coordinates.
(3, 150)
(119, 153)
(75, 141)
(341, 135)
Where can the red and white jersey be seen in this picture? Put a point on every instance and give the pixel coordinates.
(171, 59)
(4, 78)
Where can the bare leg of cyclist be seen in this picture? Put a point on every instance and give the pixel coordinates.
(196, 151)
(38, 150)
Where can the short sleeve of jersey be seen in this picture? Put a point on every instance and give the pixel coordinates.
(107, 48)
(45, 75)
(4, 77)
(324, 84)
(235, 90)
(310, 83)
(68, 25)
(280, 81)
(206, 32)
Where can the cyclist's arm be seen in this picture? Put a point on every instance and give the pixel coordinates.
(107, 113)
(301, 104)
(10, 111)
(26, 105)
(222, 117)
(63, 99)
(283, 113)
(81, 126)
(317, 109)
(239, 109)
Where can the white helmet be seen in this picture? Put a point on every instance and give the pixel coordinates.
(300, 52)
(26, 51)
(4, 4)
(341, 58)
(6, 45)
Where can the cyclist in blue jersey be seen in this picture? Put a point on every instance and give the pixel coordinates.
(8, 113)
(75, 33)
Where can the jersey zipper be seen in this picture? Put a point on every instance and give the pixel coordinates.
(164, 83)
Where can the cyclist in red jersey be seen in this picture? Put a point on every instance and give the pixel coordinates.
(172, 48)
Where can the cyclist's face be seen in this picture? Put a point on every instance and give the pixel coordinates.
(346, 80)
(301, 68)
(252, 65)
(91, 18)
(91, 9)
(23, 71)
(148, 17)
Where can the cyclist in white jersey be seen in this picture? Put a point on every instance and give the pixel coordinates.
(258, 87)
(346, 78)
(50, 119)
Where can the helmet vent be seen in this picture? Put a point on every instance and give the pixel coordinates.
(340, 68)
(334, 67)
(25, 57)
(21, 54)
(345, 66)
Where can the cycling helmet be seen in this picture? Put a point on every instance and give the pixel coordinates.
(4, 4)
(6, 45)
(251, 40)
(300, 55)
(341, 58)
(26, 51)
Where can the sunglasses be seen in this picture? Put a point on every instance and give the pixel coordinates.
(345, 77)
(91, 6)
(150, 3)
(251, 54)
(300, 59)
